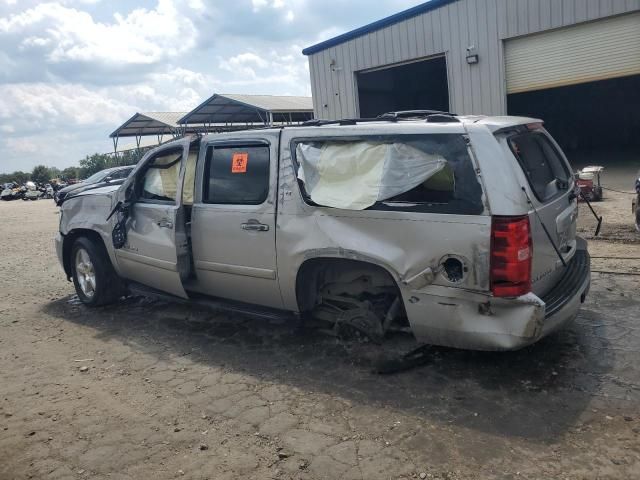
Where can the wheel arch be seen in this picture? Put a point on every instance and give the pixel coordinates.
(314, 272)
(67, 245)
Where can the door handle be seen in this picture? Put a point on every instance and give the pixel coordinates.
(164, 223)
(255, 227)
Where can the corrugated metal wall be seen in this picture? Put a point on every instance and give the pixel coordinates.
(450, 30)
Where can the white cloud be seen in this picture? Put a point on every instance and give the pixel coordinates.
(40, 105)
(260, 4)
(23, 144)
(68, 34)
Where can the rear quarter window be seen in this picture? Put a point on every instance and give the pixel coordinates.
(541, 163)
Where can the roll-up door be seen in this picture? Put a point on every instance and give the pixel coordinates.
(588, 52)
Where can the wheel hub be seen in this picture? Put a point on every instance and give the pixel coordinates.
(85, 273)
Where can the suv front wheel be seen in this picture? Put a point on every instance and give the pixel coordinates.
(95, 280)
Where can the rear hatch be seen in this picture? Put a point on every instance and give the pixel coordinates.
(551, 185)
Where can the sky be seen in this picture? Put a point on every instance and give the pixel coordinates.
(72, 71)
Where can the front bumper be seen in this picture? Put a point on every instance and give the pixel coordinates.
(58, 241)
(480, 322)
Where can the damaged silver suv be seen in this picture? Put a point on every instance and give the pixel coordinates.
(459, 229)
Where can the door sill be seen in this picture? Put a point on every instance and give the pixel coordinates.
(213, 303)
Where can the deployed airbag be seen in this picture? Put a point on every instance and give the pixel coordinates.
(356, 175)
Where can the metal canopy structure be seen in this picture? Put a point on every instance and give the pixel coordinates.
(219, 113)
(149, 123)
(249, 110)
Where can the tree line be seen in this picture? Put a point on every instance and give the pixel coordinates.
(87, 166)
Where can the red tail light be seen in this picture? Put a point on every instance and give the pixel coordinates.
(511, 253)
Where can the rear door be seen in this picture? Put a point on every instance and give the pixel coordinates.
(233, 220)
(551, 185)
(156, 253)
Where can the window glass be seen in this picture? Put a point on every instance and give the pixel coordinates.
(121, 174)
(161, 178)
(237, 175)
(541, 163)
(424, 173)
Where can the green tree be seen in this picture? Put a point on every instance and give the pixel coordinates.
(40, 174)
(54, 172)
(70, 173)
(94, 163)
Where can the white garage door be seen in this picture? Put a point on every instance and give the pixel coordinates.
(582, 53)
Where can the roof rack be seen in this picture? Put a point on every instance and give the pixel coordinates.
(428, 115)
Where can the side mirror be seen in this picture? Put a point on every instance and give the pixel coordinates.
(108, 179)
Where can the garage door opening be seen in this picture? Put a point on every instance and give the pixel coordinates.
(419, 85)
(595, 122)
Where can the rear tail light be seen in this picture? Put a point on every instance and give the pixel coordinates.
(511, 253)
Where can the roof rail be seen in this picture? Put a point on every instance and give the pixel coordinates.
(343, 121)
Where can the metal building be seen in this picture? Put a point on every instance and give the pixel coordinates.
(567, 61)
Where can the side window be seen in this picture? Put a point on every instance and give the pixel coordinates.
(237, 175)
(428, 173)
(121, 174)
(160, 180)
(540, 162)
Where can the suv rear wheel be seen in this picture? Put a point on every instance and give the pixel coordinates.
(93, 275)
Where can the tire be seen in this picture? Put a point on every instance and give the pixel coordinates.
(94, 278)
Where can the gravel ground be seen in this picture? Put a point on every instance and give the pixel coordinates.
(149, 390)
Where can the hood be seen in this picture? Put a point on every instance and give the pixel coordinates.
(92, 190)
(97, 190)
(91, 187)
(75, 186)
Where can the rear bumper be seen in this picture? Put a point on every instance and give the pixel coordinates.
(480, 322)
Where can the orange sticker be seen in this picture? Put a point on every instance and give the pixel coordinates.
(239, 163)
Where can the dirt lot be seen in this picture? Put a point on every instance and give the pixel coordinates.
(177, 392)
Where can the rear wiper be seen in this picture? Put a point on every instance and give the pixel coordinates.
(544, 227)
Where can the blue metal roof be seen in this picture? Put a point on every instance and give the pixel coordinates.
(377, 25)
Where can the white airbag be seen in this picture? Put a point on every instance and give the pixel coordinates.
(356, 175)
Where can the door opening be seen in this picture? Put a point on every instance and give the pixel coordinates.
(420, 85)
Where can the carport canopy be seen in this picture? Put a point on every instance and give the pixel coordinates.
(149, 123)
(250, 110)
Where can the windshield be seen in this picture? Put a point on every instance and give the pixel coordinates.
(96, 177)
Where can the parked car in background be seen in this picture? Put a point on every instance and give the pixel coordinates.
(461, 230)
(34, 191)
(12, 191)
(113, 176)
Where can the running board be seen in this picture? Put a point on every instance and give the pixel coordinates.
(213, 303)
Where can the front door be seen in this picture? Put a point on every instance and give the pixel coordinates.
(156, 253)
(233, 220)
